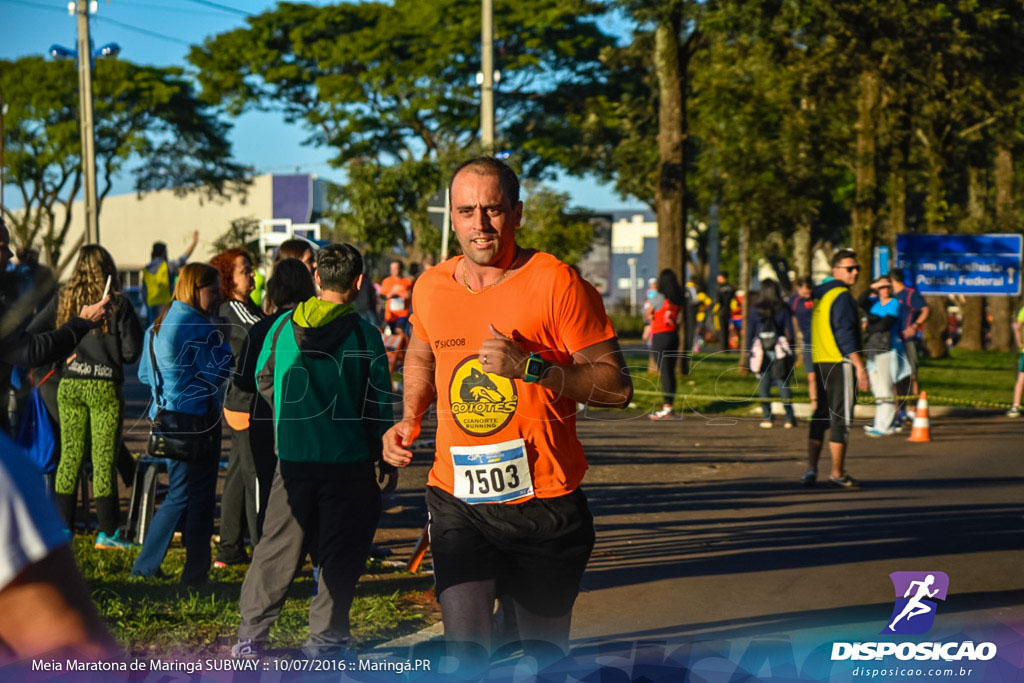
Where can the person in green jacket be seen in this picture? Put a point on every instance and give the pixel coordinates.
(325, 373)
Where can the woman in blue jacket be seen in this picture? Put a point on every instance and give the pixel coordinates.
(193, 360)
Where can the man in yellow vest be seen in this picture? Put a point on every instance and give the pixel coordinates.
(839, 370)
(158, 277)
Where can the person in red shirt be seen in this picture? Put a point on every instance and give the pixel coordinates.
(666, 306)
(509, 340)
(395, 296)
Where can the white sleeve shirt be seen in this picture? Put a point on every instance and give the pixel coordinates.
(30, 526)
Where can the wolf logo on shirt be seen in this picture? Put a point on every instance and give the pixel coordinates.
(481, 403)
(478, 388)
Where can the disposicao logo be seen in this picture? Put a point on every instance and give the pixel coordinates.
(914, 611)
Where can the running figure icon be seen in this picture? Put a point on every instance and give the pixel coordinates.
(915, 606)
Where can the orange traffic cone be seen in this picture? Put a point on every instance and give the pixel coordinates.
(922, 431)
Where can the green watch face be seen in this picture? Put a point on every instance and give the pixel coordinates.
(534, 366)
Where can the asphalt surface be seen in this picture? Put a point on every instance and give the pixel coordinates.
(704, 531)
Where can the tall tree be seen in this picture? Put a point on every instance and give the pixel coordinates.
(1004, 66)
(392, 84)
(148, 122)
(671, 59)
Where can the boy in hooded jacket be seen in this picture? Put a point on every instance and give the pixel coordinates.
(324, 370)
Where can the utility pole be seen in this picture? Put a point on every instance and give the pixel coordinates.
(92, 228)
(487, 74)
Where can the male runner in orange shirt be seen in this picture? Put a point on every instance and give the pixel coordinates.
(509, 340)
(394, 295)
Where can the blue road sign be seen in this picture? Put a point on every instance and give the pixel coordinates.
(980, 265)
(879, 261)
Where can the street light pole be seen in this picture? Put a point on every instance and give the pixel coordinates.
(632, 285)
(487, 72)
(92, 230)
(446, 226)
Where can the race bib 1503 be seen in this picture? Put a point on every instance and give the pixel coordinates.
(492, 473)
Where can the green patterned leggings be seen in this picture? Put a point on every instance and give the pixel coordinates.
(97, 405)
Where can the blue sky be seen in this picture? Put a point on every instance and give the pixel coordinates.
(159, 32)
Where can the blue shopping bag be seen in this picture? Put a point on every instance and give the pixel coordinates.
(35, 434)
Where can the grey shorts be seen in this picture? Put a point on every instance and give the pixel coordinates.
(910, 347)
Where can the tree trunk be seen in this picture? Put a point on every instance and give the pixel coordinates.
(897, 223)
(744, 284)
(976, 190)
(972, 316)
(935, 327)
(802, 248)
(971, 323)
(866, 193)
(935, 211)
(1001, 307)
(1001, 310)
(670, 195)
(935, 208)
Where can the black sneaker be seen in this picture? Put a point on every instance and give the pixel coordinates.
(809, 479)
(379, 553)
(844, 482)
(247, 649)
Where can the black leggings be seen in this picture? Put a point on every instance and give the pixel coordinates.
(665, 347)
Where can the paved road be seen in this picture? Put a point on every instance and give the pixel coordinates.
(711, 558)
(703, 531)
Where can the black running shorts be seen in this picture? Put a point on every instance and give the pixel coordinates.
(535, 551)
(837, 395)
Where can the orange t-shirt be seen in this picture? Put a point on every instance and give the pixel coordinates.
(390, 288)
(548, 309)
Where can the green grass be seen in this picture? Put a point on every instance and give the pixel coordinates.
(160, 617)
(715, 385)
(984, 378)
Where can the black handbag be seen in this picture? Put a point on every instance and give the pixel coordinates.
(176, 435)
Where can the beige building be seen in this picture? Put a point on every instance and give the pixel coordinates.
(131, 223)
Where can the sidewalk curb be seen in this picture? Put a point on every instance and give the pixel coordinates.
(407, 642)
(867, 410)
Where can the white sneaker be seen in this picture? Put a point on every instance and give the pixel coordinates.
(663, 414)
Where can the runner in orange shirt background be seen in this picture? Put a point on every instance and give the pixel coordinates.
(394, 296)
(509, 340)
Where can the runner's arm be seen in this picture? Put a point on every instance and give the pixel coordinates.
(418, 388)
(597, 376)
(48, 607)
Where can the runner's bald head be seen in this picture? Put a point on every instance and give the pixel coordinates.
(507, 178)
